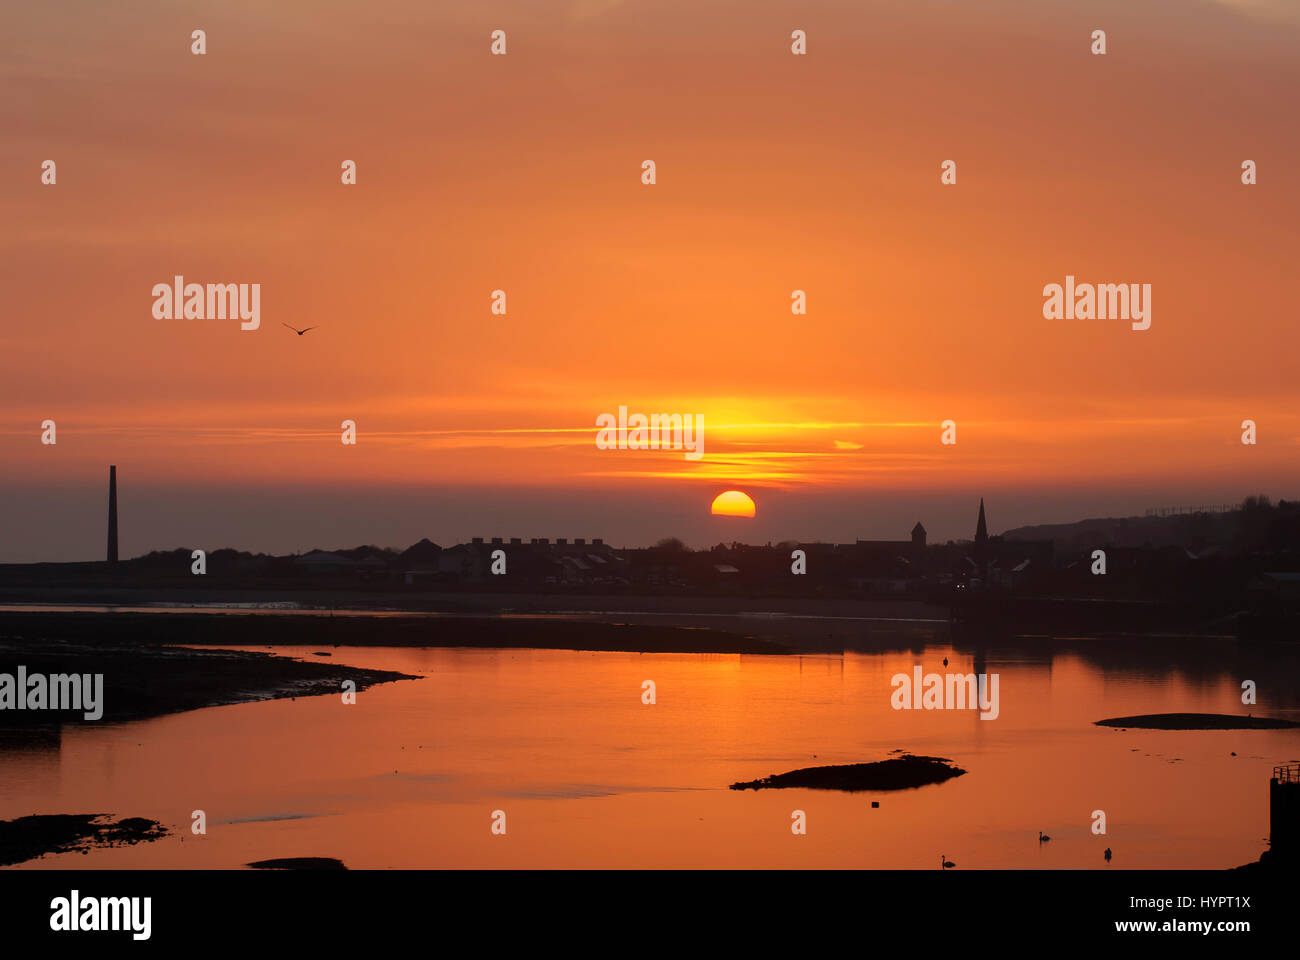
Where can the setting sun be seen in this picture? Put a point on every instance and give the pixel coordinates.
(733, 503)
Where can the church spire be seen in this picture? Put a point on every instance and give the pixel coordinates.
(981, 528)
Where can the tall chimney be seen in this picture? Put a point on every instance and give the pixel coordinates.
(112, 514)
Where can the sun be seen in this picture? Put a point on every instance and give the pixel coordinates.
(732, 503)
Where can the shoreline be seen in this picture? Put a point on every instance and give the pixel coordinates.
(606, 624)
(94, 630)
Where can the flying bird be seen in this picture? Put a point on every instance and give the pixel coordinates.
(295, 329)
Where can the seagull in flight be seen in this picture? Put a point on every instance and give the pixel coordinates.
(295, 329)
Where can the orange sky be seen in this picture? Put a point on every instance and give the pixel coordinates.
(522, 172)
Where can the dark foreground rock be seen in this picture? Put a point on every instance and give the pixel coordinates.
(899, 773)
(1196, 721)
(299, 863)
(28, 838)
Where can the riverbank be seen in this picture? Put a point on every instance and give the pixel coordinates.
(819, 624)
(138, 630)
(144, 677)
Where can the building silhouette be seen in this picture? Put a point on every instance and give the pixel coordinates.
(1284, 812)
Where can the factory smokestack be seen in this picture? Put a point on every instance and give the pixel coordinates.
(112, 514)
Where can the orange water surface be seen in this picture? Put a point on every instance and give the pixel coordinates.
(589, 776)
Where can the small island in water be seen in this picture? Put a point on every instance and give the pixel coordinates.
(1197, 721)
(899, 773)
(299, 863)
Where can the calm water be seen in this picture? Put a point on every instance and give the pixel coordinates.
(589, 776)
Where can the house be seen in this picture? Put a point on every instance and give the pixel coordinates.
(322, 561)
